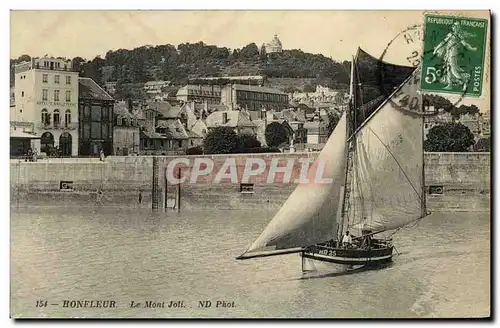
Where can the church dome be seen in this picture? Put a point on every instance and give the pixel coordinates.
(275, 42)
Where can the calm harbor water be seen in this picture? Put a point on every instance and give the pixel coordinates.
(125, 255)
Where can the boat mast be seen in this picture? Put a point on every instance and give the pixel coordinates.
(347, 182)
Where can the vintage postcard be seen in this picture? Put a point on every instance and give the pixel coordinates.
(250, 164)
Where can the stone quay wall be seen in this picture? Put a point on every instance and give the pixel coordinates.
(454, 182)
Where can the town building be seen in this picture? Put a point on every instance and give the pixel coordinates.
(96, 119)
(478, 124)
(199, 93)
(167, 129)
(317, 132)
(322, 98)
(177, 137)
(222, 80)
(46, 97)
(154, 88)
(126, 130)
(275, 46)
(485, 124)
(253, 98)
(21, 141)
(237, 120)
(110, 87)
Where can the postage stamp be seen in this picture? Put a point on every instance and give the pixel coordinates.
(453, 55)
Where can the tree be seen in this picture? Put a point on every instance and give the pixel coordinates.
(333, 120)
(247, 141)
(197, 150)
(275, 134)
(76, 64)
(483, 144)
(263, 54)
(449, 137)
(438, 102)
(221, 140)
(250, 51)
(291, 89)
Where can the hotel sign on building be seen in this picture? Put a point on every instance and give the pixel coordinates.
(57, 104)
(46, 96)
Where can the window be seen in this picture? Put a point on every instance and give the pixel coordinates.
(86, 112)
(67, 118)
(45, 78)
(435, 190)
(57, 118)
(68, 96)
(96, 113)
(96, 130)
(246, 188)
(56, 95)
(104, 131)
(68, 79)
(105, 113)
(22, 93)
(45, 117)
(86, 131)
(56, 79)
(45, 94)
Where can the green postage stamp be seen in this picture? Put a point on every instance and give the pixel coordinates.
(453, 56)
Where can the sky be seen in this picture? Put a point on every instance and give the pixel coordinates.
(335, 34)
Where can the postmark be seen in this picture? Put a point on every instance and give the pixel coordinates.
(453, 54)
(412, 97)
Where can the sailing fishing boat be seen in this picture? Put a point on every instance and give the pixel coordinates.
(374, 158)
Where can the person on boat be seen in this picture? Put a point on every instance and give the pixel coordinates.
(347, 240)
(366, 239)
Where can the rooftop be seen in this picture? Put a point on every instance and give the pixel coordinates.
(89, 89)
(173, 129)
(234, 119)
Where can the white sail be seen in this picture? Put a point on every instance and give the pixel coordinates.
(309, 214)
(387, 170)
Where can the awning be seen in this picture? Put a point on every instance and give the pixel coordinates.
(16, 133)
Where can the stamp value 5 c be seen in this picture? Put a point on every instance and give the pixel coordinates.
(453, 56)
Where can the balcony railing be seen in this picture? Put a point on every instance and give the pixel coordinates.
(58, 126)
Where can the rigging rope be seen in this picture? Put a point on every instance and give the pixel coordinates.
(397, 162)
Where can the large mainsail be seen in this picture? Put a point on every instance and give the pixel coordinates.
(387, 172)
(310, 214)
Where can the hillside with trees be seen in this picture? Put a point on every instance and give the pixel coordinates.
(189, 60)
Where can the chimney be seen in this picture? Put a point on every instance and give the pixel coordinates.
(130, 104)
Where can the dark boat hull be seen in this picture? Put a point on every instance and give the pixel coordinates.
(349, 256)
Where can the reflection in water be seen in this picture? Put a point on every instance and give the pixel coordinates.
(135, 255)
